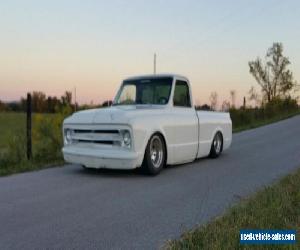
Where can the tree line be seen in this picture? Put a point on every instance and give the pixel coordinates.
(41, 103)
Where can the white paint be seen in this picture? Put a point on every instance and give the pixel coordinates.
(188, 133)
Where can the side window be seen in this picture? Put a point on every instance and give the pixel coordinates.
(182, 94)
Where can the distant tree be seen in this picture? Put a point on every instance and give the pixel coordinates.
(225, 105)
(273, 76)
(106, 103)
(203, 107)
(46, 104)
(232, 98)
(254, 96)
(38, 101)
(2, 106)
(66, 99)
(244, 102)
(14, 106)
(23, 103)
(213, 100)
(52, 104)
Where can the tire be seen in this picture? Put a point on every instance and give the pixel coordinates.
(86, 168)
(216, 146)
(155, 155)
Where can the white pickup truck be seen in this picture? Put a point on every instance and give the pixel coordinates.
(152, 123)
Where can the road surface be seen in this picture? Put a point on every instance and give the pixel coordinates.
(64, 208)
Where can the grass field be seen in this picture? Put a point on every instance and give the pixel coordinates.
(12, 122)
(9, 123)
(263, 122)
(275, 207)
(46, 142)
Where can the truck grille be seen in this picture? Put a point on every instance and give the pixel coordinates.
(105, 137)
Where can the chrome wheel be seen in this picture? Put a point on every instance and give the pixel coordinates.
(156, 151)
(217, 143)
(155, 155)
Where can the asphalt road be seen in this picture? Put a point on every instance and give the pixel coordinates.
(63, 208)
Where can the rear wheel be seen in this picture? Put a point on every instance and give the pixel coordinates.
(155, 155)
(216, 146)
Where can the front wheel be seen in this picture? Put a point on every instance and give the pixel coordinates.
(87, 168)
(155, 155)
(216, 146)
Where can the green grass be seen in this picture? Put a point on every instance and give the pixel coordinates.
(9, 123)
(259, 123)
(275, 207)
(13, 145)
(25, 166)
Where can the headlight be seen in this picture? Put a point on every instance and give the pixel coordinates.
(126, 138)
(68, 136)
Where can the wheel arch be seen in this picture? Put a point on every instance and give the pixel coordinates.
(215, 131)
(159, 132)
(143, 128)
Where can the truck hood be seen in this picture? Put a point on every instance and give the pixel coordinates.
(114, 114)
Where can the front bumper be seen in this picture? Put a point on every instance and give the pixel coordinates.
(94, 157)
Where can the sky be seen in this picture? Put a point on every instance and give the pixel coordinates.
(53, 46)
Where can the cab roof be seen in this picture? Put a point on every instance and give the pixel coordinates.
(156, 76)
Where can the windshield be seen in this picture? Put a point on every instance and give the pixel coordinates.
(145, 91)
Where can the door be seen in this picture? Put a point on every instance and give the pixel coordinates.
(185, 124)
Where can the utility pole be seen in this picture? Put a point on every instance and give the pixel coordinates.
(154, 64)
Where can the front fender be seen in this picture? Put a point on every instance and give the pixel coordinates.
(143, 129)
